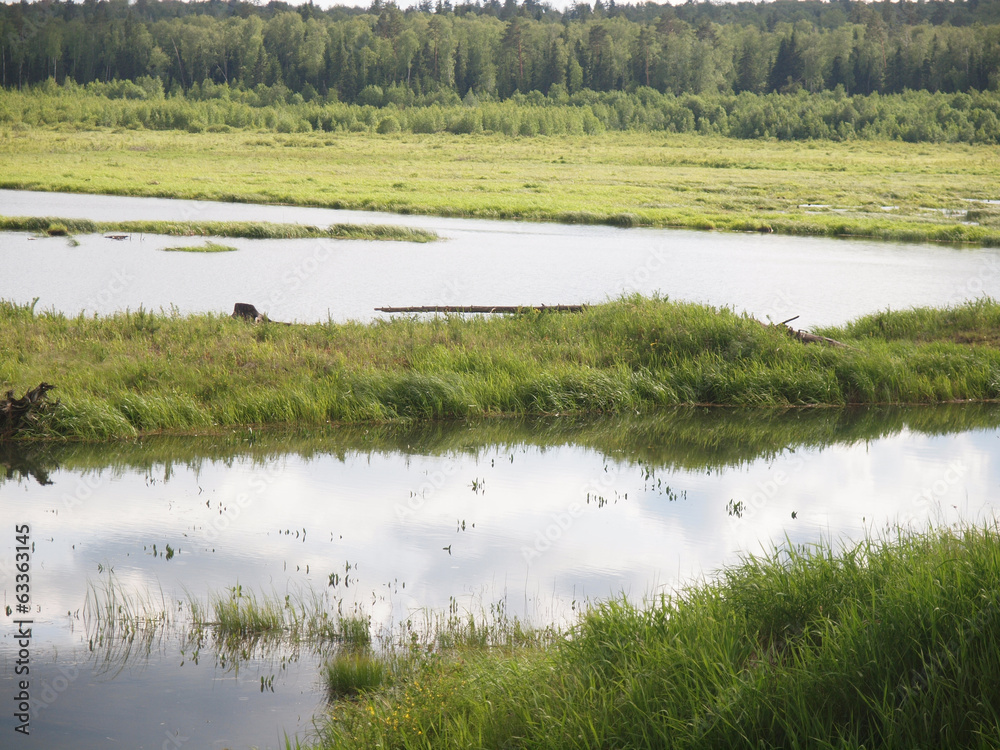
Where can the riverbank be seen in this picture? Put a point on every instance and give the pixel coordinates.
(913, 192)
(140, 372)
(889, 643)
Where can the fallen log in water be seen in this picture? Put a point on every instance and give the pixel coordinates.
(15, 413)
(481, 308)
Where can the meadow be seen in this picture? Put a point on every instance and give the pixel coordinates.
(887, 190)
(137, 372)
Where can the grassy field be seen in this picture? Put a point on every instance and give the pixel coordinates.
(886, 190)
(890, 643)
(138, 372)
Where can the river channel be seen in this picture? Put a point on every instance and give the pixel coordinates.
(530, 519)
(478, 262)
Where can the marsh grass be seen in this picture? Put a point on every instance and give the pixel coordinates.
(351, 672)
(140, 372)
(123, 627)
(886, 643)
(622, 179)
(208, 247)
(258, 230)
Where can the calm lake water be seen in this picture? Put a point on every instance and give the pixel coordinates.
(531, 518)
(824, 281)
(538, 517)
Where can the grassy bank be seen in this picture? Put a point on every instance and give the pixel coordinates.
(138, 372)
(257, 230)
(886, 644)
(876, 189)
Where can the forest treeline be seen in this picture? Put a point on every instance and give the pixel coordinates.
(385, 55)
(915, 116)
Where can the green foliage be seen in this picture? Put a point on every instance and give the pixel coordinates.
(888, 643)
(379, 56)
(138, 372)
(912, 116)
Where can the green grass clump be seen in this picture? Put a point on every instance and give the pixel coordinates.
(349, 673)
(139, 372)
(889, 643)
(244, 614)
(257, 230)
(208, 247)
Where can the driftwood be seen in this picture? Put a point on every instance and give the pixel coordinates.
(16, 413)
(481, 308)
(804, 336)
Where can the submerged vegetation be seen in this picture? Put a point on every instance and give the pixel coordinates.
(249, 229)
(889, 643)
(140, 372)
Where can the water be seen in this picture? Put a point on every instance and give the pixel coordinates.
(540, 516)
(823, 281)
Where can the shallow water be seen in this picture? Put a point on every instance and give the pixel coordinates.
(538, 517)
(823, 281)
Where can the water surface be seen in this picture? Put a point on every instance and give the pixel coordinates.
(537, 517)
(824, 281)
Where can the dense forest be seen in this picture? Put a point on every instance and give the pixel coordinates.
(385, 55)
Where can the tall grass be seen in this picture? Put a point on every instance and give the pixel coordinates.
(887, 643)
(139, 372)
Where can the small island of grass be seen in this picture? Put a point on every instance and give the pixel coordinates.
(137, 372)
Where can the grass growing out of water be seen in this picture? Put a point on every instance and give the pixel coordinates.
(139, 372)
(257, 230)
(242, 614)
(208, 247)
(889, 643)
